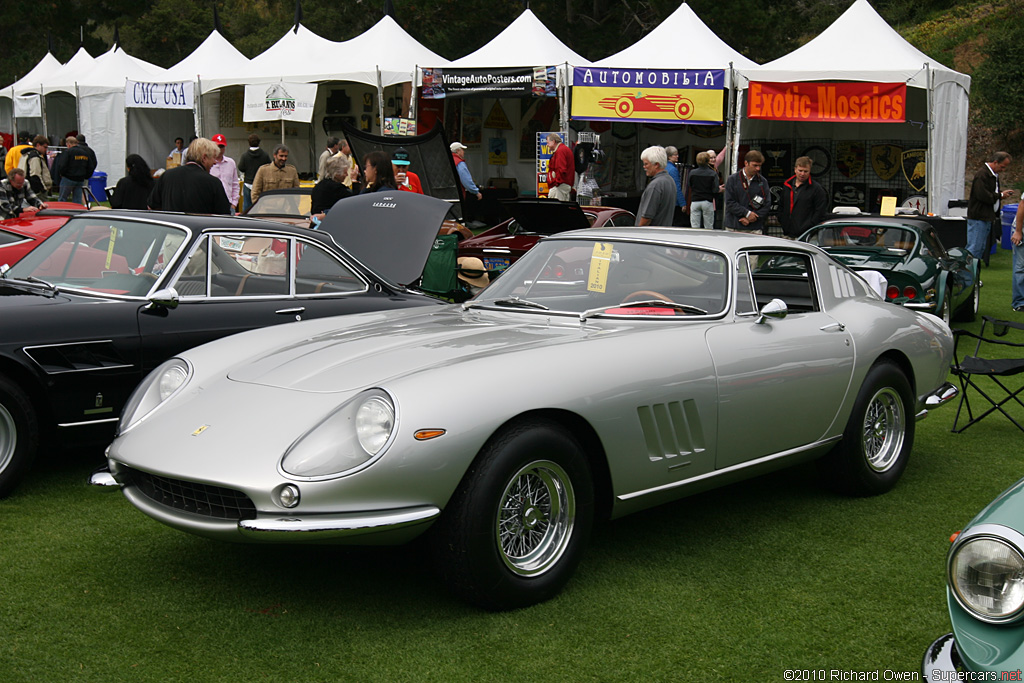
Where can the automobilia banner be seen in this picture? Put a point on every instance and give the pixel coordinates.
(178, 95)
(279, 102)
(828, 102)
(538, 81)
(648, 95)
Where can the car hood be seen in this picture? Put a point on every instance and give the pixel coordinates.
(371, 353)
(1007, 509)
(546, 216)
(389, 232)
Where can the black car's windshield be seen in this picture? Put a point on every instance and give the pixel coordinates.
(284, 204)
(577, 276)
(112, 256)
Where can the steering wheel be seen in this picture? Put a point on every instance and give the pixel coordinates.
(645, 294)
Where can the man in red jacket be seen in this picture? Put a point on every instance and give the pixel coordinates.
(561, 169)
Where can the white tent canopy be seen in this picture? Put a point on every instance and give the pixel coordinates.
(524, 42)
(33, 80)
(693, 46)
(214, 58)
(861, 46)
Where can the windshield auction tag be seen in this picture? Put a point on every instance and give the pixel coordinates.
(110, 247)
(600, 260)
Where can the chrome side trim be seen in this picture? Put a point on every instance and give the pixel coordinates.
(941, 660)
(337, 526)
(28, 349)
(942, 395)
(733, 468)
(88, 422)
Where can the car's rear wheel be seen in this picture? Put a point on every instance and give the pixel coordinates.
(879, 435)
(514, 531)
(19, 435)
(946, 310)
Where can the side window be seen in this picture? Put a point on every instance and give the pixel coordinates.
(932, 244)
(193, 280)
(246, 265)
(744, 292)
(318, 272)
(785, 276)
(623, 221)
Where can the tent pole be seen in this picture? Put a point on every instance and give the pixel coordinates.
(412, 97)
(42, 110)
(282, 131)
(932, 167)
(197, 107)
(78, 110)
(380, 101)
(563, 100)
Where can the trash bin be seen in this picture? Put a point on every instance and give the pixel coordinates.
(1009, 214)
(98, 186)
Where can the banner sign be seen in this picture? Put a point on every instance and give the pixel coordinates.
(544, 154)
(27, 106)
(648, 95)
(279, 102)
(828, 102)
(538, 81)
(179, 95)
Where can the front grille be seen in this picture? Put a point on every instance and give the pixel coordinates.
(188, 496)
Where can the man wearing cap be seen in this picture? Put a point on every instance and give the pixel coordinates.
(561, 169)
(225, 170)
(459, 157)
(406, 179)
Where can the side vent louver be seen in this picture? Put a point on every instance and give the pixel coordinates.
(672, 430)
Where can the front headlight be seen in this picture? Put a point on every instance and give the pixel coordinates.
(158, 386)
(350, 438)
(986, 574)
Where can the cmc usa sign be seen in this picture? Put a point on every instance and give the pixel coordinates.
(179, 95)
(828, 102)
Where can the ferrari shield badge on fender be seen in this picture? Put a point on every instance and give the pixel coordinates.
(200, 430)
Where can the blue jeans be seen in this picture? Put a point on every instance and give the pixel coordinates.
(246, 198)
(69, 187)
(702, 214)
(977, 236)
(1017, 279)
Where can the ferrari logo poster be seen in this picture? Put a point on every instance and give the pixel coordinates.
(885, 160)
(648, 95)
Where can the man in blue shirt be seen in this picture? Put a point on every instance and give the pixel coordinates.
(673, 173)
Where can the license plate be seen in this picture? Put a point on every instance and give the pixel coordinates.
(491, 263)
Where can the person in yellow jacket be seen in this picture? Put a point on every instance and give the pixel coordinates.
(13, 157)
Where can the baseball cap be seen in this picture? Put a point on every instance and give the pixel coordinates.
(220, 139)
(400, 157)
(456, 146)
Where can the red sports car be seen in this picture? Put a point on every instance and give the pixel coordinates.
(18, 236)
(501, 246)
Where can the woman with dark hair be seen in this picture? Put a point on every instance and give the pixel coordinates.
(132, 191)
(378, 172)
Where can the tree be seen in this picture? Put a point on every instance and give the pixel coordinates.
(997, 86)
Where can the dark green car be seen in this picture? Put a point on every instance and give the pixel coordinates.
(920, 272)
(985, 575)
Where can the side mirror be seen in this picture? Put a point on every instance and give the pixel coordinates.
(513, 227)
(775, 309)
(167, 298)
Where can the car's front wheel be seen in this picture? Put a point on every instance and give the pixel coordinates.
(514, 531)
(19, 435)
(969, 311)
(879, 435)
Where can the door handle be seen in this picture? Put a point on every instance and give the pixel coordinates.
(291, 311)
(833, 327)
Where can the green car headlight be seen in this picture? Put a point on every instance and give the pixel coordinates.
(158, 386)
(347, 440)
(986, 574)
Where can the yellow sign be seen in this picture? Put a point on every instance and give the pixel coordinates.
(600, 262)
(497, 118)
(110, 248)
(888, 206)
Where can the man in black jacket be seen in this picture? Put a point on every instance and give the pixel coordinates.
(248, 164)
(76, 170)
(190, 188)
(983, 204)
(804, 203)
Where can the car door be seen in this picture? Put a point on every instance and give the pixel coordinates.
(781, 381)
(240, 281)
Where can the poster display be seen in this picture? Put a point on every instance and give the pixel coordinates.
(279, 102)
(648, 95)
(543, 157)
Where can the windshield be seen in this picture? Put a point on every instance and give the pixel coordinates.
(861, 236)
(112, 256)
(284, 204)
(577, 276)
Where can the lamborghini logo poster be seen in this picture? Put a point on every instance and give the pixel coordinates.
(648, 95)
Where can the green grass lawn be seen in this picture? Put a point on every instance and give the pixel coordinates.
(738, 584)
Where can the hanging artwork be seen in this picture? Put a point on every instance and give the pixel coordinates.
(885, 160)
(915, 168)
(850, 157)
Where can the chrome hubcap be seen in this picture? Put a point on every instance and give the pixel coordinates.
(535, 518)
(8, 438)
(884, 429)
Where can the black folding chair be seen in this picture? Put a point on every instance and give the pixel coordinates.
(970, 368)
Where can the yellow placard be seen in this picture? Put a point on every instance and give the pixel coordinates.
(600, 261)
(888, 206)
(110, 248)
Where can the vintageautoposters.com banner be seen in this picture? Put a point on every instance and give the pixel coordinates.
(279, 102)
(538, 81)
(648, 95)
(830, 102)
(179, 95)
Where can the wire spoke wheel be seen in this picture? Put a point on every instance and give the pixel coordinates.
(884, 429)
(8, 437)
(535, 518)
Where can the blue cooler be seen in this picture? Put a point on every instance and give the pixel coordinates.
(98, 186)
(1009, 214)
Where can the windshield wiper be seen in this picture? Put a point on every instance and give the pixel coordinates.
(51, 289)
(512, 301)
(685, 308)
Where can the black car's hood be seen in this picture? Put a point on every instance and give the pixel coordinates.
(547, 216)
(389, 232)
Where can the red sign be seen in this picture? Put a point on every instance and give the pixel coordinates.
(830, 102)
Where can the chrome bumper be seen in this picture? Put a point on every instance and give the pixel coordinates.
(941, 660)
(946, 392)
